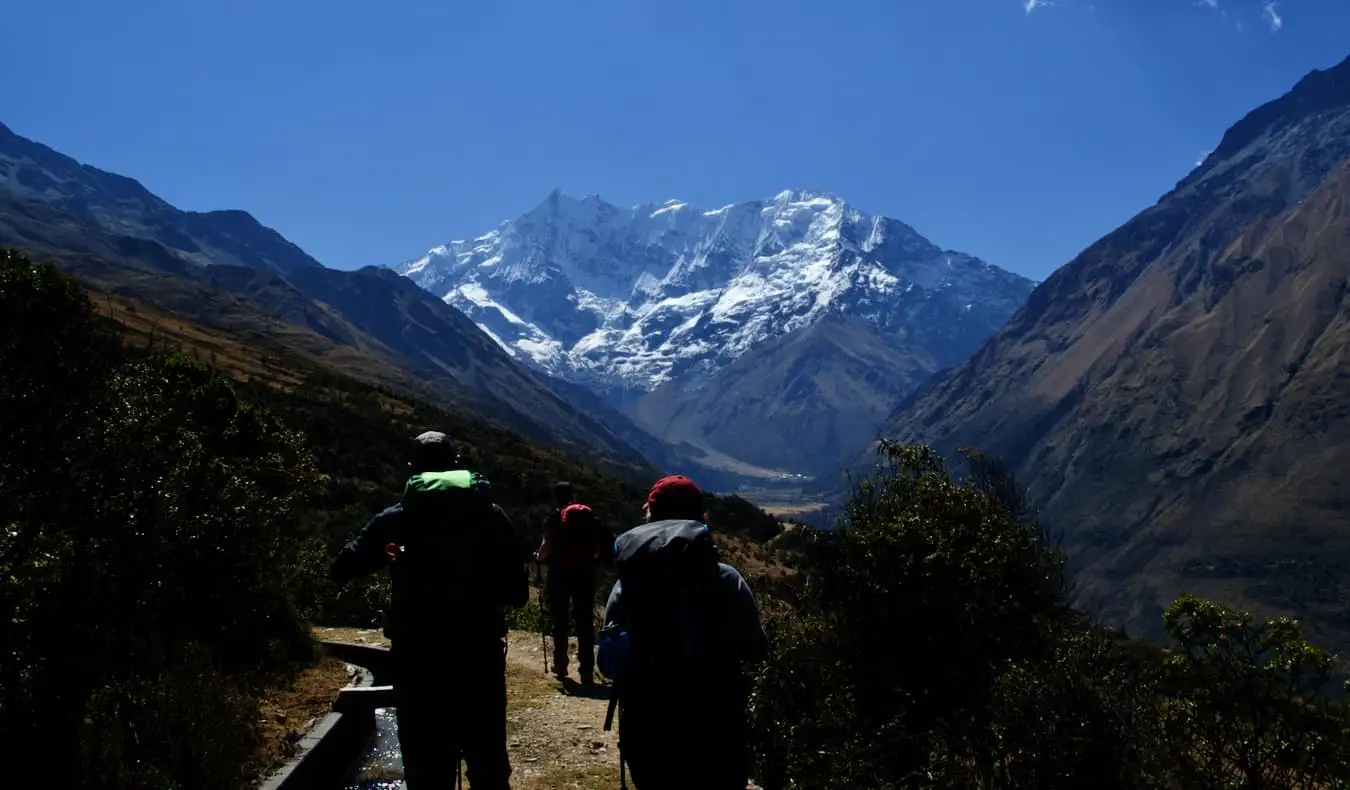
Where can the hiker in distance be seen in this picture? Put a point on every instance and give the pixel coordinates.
(574, 544)
(679, 631)
(456, 566)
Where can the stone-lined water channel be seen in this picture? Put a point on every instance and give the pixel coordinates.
(381, 765)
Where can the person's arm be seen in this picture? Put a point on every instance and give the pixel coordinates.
(612, 648)
(604, 540)
(514, 575)
(365, 553)
(546, 545)
(614, 607)
(754, 643)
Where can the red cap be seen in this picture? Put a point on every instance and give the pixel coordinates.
(675, 496)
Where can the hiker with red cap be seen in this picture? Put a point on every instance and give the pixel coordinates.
(574, 543)
(456, 566)
(680, 630)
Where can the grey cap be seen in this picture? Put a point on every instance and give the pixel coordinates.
(433, 448)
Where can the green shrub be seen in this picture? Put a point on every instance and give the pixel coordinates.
(1247, 702)
(930, 643)
(153, 559)
(915, 608)
(527, 618)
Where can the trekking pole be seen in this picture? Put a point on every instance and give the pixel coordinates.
(543, 621)
(609, 724)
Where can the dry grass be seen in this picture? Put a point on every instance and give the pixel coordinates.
(288, 712)
(145, 324)
(276, 353)
(751, 558)
(360, 636)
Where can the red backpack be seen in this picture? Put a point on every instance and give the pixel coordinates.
(575, 544)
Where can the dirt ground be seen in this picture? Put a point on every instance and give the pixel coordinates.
(555, 731)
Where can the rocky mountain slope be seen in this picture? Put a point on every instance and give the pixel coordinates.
(33, 172)
(801, 401)
(1177, 397)
(227, 270)
(625, 301)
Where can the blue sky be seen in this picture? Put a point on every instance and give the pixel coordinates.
(1017, 130)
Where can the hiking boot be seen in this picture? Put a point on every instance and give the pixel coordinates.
(560, 671)
(587, 678)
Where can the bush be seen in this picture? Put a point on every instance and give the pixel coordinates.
(152, 554)
(1246, 702)
(930, 643)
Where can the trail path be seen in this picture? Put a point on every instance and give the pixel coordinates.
(555, 735)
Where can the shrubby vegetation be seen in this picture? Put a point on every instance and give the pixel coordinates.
(928, 642)
(153, 564)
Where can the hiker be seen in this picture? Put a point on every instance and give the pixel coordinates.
(456, 565)
(679, 630)
(574, 544)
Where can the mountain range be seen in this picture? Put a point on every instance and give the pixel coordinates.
(771, 334)
(225, 269)
(1177, 397)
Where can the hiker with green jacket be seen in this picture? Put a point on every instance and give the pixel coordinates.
(680, 630)
(456, 565)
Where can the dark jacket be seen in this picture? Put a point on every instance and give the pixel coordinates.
(453, 555)
(742, 635)
(702, 627)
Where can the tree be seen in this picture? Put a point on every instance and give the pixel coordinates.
(915, 608)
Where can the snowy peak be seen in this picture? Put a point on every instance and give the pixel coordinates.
(623, 299)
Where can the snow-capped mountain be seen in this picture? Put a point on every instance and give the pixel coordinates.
(626, 299)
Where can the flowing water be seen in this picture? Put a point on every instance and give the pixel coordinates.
(381, 763)
(381, 766)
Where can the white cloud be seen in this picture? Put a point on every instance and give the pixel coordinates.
(1272, 17)
(1032, 5)
(1203, 156)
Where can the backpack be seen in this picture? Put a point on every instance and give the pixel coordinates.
(576, 542)
(674, 605)
(445, 555)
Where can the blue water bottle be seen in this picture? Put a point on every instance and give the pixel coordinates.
(612, 650)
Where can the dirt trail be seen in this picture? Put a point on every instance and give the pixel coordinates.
(555, 734)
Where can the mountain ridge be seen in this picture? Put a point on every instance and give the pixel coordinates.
(1112, 392)
(628, 301)
(597, 275)
(38, 172)
(111, 231)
